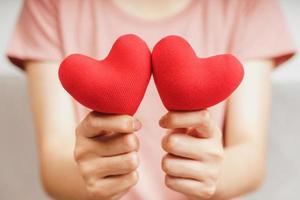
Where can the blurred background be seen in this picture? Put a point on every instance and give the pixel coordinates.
(18, 164)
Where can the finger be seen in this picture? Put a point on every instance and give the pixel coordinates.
(118, 196)
(109, 145)
(187, 146)
(188, 119)
(198, 119)
(121, 183)
(208, 130)
(177, 130)
(190, 187)
(95, 124)
(111, 186)
(111, 166)
(187, 168)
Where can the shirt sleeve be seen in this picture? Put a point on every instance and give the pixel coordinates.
(261, 32)
(36, 35)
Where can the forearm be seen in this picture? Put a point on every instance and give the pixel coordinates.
(242, 172)
(59, 172)
(55, 122)
(245, 132)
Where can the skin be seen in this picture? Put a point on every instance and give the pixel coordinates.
(194, 153)
(152, 10)
(96, 158)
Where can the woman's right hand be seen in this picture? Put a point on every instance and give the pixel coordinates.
(106, 153)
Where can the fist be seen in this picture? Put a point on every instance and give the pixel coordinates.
(106, 154)
(194, 153)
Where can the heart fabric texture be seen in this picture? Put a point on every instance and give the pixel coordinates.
(186, 82)
(116, 84)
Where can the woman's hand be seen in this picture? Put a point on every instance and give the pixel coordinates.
(106, 153)
(194, 153)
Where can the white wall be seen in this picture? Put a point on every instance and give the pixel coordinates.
(8, 14)
(289, 72)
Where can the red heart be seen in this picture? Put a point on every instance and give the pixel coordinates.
(116, 84)
(186, 82)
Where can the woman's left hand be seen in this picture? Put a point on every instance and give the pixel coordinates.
(194, 153)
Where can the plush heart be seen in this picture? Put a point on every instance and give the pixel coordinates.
(186, 82)
(114, 85)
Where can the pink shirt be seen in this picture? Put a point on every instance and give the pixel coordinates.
(50, 30)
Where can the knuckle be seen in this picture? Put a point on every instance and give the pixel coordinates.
(97, 192)
(131, 142)
(77, 131)
(126, 124)
(217, 132)
(91, 121)
(166, 165)
(216, 154)
(212, 175)
(169, 182)
(172, 119)
(86, 173)
(134, 177)
(208, 192)
(206, 116)
(79, 154)
(170, 143)
(132, 161)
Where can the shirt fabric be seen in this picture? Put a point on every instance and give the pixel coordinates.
(49, 30)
